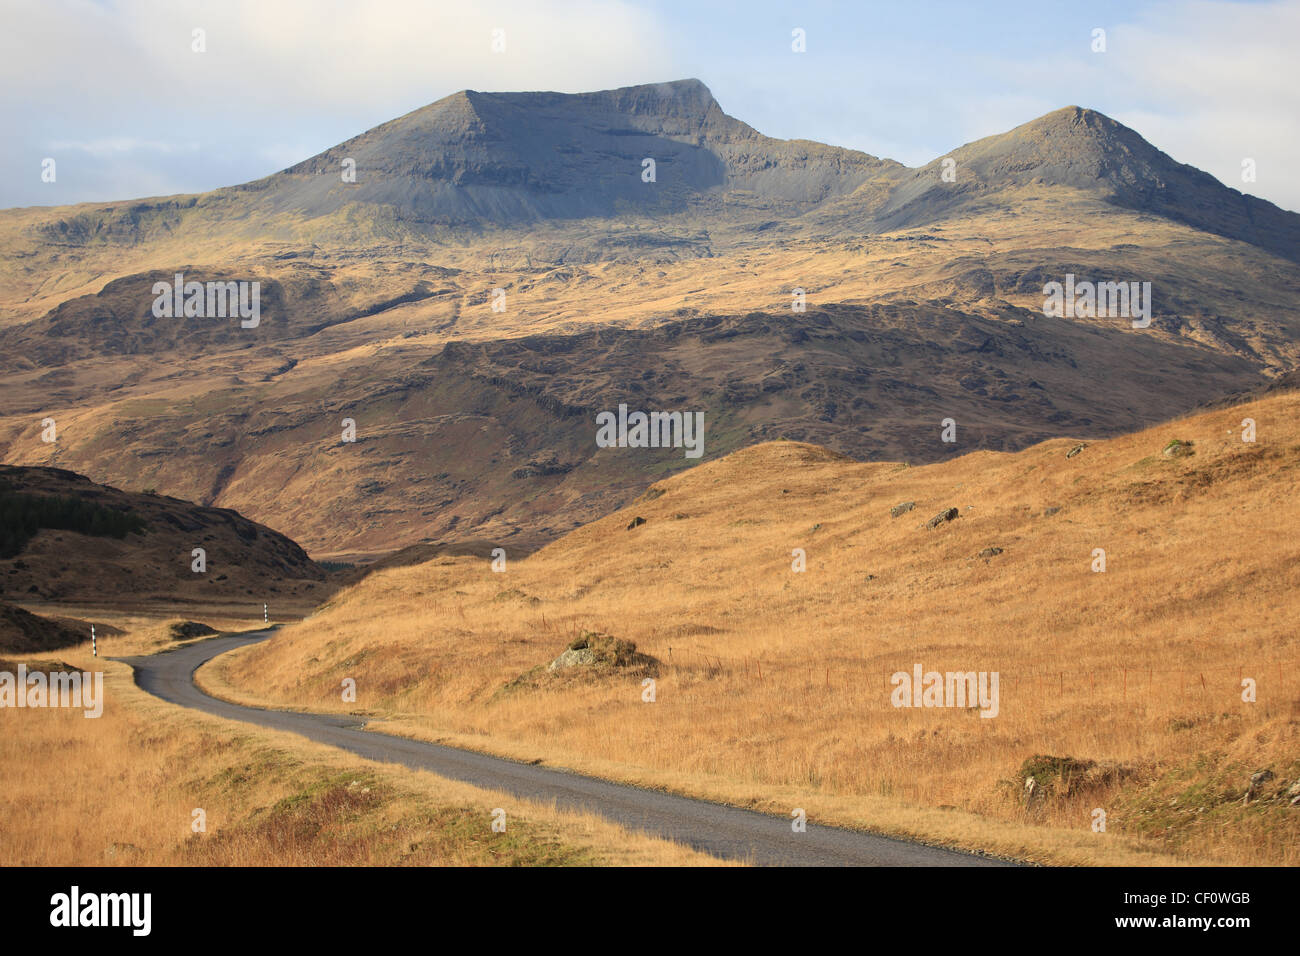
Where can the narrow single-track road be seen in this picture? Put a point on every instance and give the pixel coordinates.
(726, 832)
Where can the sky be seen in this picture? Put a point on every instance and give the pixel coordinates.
(116, 94)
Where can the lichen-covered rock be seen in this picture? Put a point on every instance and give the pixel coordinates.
(946, 515)
(1051, 778)
(1257, 781)
(594, 649)
(593, 656)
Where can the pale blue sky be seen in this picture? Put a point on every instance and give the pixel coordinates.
(114, 92)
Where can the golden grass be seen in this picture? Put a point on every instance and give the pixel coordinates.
(774, 687)
(121, 790)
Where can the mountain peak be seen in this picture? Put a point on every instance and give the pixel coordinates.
(1075, 115)
(1085, 150)
(1081, 128)
(681, 99)
(508, 158)
(1073, 146)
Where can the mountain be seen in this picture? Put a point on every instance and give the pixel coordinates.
(515, 158)
(1085, 150)
(499, 274)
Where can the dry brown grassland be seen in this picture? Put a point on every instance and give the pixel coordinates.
(774, 686)
(121, 790)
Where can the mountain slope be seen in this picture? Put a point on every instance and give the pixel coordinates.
(496, 439)
(475, 161)
(22, 632)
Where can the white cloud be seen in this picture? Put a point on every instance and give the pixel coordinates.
(322, 55)
(1220, 81)
(118, 81)
(1210, 83)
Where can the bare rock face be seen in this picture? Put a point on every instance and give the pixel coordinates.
(1257, 781)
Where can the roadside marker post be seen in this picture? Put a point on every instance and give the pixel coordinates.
(265, 618)
(94, 648)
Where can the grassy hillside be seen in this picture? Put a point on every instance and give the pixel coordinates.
(774, 686)
(128, 784)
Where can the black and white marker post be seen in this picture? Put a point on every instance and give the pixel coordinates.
(94, 648)
(265, 618)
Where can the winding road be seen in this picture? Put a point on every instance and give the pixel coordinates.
(722, 831)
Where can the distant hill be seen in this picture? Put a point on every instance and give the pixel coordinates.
(475, 161)
(75, 541)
